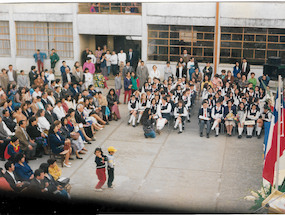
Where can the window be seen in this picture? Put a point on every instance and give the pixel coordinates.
(255, 44)
(4, 38)
(44, 36)
(110, 8)
(167, 42)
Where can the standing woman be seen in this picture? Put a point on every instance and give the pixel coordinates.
(147, 121)
(127, 87)
(103, 67)
(98, 54)
(4, 79)
(100, 161)
(113, 100)
(236, 69)
(135, 82)
(133, 107)
(241, 115)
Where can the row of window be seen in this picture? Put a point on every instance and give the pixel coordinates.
(31, 36)
(166, 43)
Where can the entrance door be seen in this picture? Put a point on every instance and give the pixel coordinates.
(101, 40)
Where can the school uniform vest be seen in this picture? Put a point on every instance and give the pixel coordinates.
(133, 104)
(164, 107)
(144, 103)
(252, 113)
(218, 111)
(180, 110)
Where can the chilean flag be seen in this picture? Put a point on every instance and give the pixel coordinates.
(271, 152)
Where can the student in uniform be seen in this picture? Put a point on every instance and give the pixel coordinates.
(241, 115)
(217, 116)
(133, 107)
(143, 104)
(252, 114)
(100, 161)
(204, 118)
(229, 115)
(163, 112)
(266, 116)
(187, 103)
(180, 112)
(111, 165)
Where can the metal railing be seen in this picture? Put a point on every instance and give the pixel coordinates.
(126, 8)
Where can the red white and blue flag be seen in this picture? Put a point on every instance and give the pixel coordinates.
(271, 149)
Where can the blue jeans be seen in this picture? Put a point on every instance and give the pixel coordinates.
(150, 134)
(109, 70)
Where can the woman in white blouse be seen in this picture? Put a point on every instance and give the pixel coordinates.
(43, 123)
(88, 77)
(51, 98)
(154, 73)
(92, 56)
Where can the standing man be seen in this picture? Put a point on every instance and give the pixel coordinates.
(63, 69)
(142, 73)
(39, 58)
(54, 58)
(33, 75)
(114, 63)
(84, 56)
(131, 57)
(245, 67)
(12, 74)
(186, 57)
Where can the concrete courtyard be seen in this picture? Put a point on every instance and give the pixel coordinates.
(172, 171)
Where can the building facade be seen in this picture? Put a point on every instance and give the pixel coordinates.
(221, 33)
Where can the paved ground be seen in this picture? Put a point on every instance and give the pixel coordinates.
(175, 171)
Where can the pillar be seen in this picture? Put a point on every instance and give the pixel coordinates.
(12, 29)
(217, 39)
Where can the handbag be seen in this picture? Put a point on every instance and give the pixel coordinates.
(67, 145)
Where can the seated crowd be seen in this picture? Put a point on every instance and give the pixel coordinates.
(49, 115)
(19, 177)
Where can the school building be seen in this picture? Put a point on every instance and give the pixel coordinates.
(221, 33)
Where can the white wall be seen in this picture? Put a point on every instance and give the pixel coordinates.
(102, 24)
(245, 14)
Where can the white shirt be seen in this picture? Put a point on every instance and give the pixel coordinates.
(93, 58)
(43, 123)
(190, 64)
(50, 77)
(13, 176)
(59, 111)
(180, 71)
(154, 74)
(9, 132)
(10, 75)
(68, 77)
(114, 59)
(108, 62)
(122, 58)
(244, 66)
(51, 99)
(35, 94)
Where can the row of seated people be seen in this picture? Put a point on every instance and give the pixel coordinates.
(235, 105)
(19, 177)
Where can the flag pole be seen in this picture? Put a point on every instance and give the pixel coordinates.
(278, 131)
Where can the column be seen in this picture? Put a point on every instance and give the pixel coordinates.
(144, 33)
(12, 29)
(76, 45)
(217, 39)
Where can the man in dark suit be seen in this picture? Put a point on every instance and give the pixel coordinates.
(49, 114)
(244, 67)
(205, 118)
(9, 121)
(12, 178)
(131, 57)
(84, 56)
(75, 89)
(65, 91)
(56, 93)
(80, 119)
(44, 99)
(33, 75)
(37, 183)
(181, 71)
